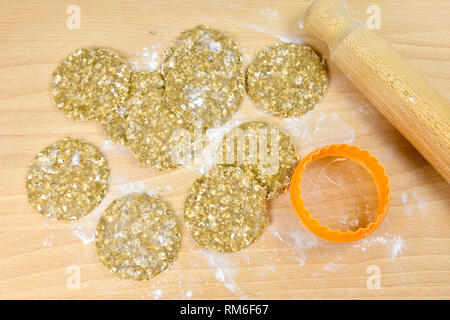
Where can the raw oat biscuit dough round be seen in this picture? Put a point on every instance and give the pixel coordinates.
(88, 81)
(114, 119)
(68, 179)
(198, 39)
(251, 145)
(154, 132)
(203, 87)
(137, 237)
(287, 79)
(225, 209)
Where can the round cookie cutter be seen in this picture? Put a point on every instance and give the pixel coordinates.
(362, 157)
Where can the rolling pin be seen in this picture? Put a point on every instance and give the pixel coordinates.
(399, 92)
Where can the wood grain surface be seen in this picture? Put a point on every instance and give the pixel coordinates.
(43, 259)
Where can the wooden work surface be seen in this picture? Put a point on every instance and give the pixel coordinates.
(41, 258)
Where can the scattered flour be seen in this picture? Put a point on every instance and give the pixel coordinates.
(281, 36)
(296, 239)
(369, 111)
(270, 14)
(350, 222)
(135, 187)
(419, 200)
(398, 246)
(48, 241)
(316, 129)
(413, 200)
(331, 266)
(75, 161)
(145, 59)
(109, 145)
(395, 243)
(224, 272)
(215, 46)
(157, 294)
(48, 220)
(84, 229)
(226, 4)
(276, 233)
(302, 240)
(404, 198)
(284, 37)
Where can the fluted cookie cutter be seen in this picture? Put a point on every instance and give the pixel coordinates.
(362, 157)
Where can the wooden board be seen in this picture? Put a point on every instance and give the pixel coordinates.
(42, 259)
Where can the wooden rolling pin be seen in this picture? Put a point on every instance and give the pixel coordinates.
(417, 110)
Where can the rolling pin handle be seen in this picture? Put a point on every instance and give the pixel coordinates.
(329, 21)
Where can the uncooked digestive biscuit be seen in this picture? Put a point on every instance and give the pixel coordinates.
(155, 133)
(287, 79)
(225, 209)
(67, 179)
(203, 88)
(114, 119)
(88, 81)
(204, 76)
(137, 237)
(198, 39)
(263, 149)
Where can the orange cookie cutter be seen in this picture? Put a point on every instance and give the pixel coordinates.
(370, 163)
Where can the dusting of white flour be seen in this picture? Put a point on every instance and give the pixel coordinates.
(109, 145)
(412, 200)
(300, 25)
(316, 129)
(394, 243)
(269, 14)
(398, 246)
(224, 269)
(331, 266)
(48, 241)
(157, 294)
(297, 239)
(284, 37)
(146, 59)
